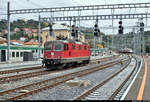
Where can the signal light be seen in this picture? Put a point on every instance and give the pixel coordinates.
(120, 22)
(73, 26)
(120, 27)
(95, 25)
(72, 34)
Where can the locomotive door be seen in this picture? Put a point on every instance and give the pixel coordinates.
(67, 51)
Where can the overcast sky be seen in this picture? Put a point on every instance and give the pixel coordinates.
(26, 4)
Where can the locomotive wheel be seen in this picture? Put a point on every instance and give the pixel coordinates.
(54, 67)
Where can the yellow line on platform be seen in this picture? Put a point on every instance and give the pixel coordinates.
(140, 95)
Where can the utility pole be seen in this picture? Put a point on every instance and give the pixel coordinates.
(70, 28)
(134, 41)
(8, 36)
(39, 37)
(142, 34)
(112, 12)
(138, 38)
(95, 35)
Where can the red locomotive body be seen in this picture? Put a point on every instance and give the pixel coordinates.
(63, 53)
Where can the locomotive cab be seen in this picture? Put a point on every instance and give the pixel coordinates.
(53, 53)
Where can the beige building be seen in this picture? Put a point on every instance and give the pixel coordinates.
(58, 29)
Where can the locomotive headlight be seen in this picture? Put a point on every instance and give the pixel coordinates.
(52, 53)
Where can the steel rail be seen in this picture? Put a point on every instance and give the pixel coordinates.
(34, 68)
(50, 82)
(20, 70)
(123, 83)
(86, 93)
(44, 72)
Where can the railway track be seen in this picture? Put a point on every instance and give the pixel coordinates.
(94, 91)
(16, 93)
(43, 72)
(36, 68)
(122, 84)
(20, 70)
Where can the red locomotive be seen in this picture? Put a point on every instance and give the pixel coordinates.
(60, 53)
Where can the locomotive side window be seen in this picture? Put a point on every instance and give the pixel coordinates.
(85, 47)
(73, 47)
(79, 47)
(48, 46)
(65, 46)
(58, 46)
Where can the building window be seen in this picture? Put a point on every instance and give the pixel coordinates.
(13, 54)
(17, 54)
(21, 54)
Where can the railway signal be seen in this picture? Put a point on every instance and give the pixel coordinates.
(96, 30)
(141, 27)
(50, 29)
(73, 31)
(120, 31)
(76, 32)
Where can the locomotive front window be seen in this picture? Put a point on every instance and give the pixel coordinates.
(58, 47)
(79, 47)
(73, 47)
(48, 46)
(85, 47)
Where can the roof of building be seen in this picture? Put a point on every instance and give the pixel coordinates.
(31, 43)
(3, 41)
(57, 26)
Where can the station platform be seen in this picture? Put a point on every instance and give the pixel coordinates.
(140, 89)
(16, 65)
